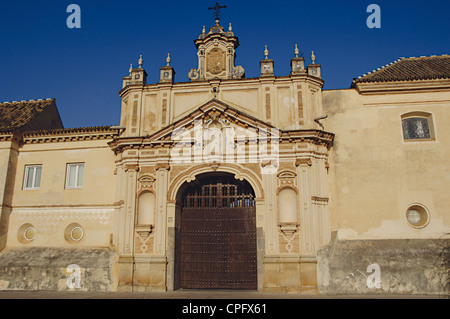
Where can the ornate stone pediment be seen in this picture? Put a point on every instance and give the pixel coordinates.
(223, 129)
(214, 115)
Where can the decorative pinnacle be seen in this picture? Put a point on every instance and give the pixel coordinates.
(140, 61)
(131, 68)
(204, 30)
(296, 51)
(230, 28)
(313, 58)
(168, 59)
(266, 52)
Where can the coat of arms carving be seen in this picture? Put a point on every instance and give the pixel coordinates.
(215, 61)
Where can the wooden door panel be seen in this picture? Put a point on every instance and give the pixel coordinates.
(220, 255)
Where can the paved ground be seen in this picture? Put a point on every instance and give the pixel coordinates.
(193, 294)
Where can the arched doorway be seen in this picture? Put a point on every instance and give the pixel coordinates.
(217, 234)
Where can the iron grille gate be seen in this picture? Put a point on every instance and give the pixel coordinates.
(218, 236)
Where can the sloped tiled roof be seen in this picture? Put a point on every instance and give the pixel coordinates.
(408, 69)
(71, 131)
(15, 115)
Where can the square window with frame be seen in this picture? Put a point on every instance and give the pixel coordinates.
(417, 126)
(74, 175)
(32, 177)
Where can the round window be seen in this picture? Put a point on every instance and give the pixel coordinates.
(26, 233)
(417, 216)
(29, 233)
(77, 233)
(74, 233)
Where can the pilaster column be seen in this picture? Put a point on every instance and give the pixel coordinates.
(126, 233)
(128, 217)
(321, 202)
(307, 227)
(269, 184)
(162, 176)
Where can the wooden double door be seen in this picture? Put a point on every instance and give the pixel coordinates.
(218, 235)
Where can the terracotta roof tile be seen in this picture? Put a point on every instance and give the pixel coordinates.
(72, 130)
(408, 69)
(15, 115)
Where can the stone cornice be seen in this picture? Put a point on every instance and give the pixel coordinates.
(215, 109)
(303, 77)
(62, 135)
(316, 137)
(226, 37)
(10, 137)
(402, 86)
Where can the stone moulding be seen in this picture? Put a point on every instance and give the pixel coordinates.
(213, 109)
(62, 135)
(317, 137)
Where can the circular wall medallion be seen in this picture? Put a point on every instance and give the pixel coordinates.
(26, 233)
(77, 233)
(29, 233)
(74, 233)
(417, 216)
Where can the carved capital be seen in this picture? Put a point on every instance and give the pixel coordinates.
(320, 200)
(267, 162)
(132, 167)
(165, 166)
(303, 161)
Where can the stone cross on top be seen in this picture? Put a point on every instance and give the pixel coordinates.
(216, 9)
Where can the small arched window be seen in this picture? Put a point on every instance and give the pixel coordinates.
(417, 126)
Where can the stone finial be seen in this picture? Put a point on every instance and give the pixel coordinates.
(204, 30)
(168, 59)
(229, 27)
(266, 52)
(140, 61)
(131, 68)
(313, 57)
(296, 51)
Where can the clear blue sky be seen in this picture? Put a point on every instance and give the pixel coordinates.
(41, 57)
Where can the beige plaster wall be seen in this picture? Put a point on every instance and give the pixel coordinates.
(5, 149)
(52, 208)
(8, 159)
(375, 175)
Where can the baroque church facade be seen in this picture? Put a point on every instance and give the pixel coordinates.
(227, 182)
